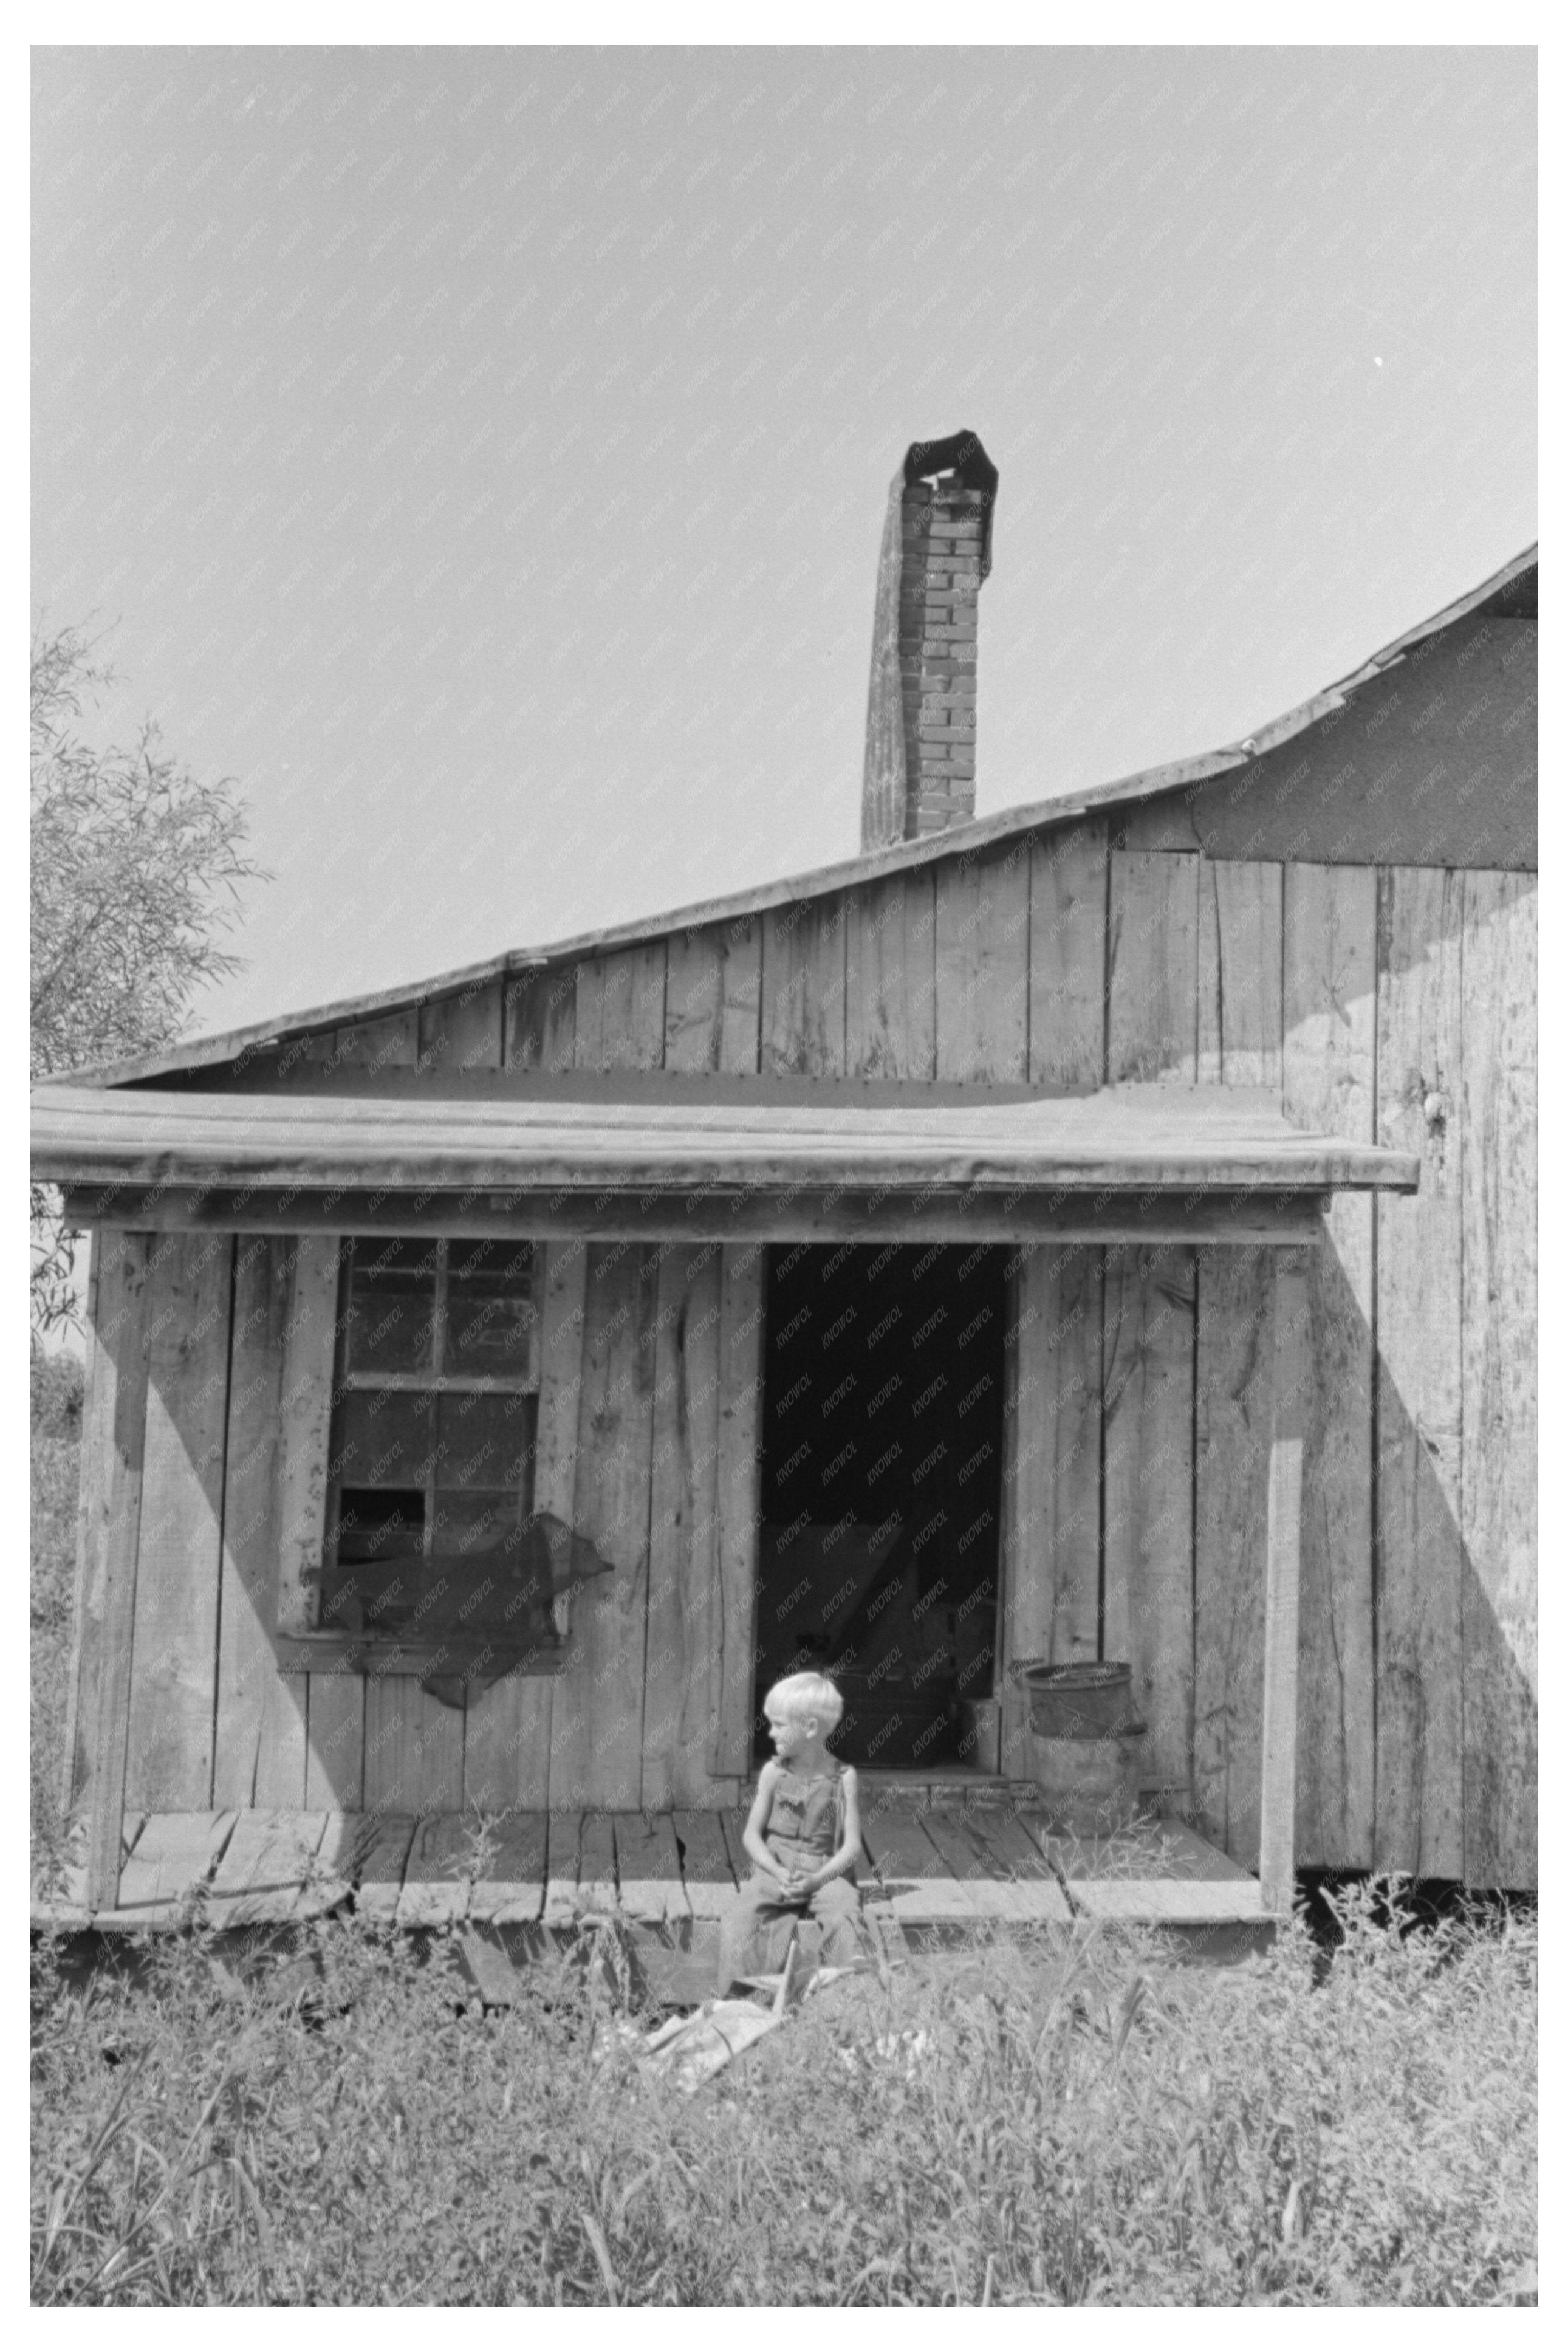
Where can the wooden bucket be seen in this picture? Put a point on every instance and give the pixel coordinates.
(1088, 1788)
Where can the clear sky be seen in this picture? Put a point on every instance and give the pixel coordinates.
(481, 455)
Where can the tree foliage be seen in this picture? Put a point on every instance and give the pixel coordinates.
(135, 869)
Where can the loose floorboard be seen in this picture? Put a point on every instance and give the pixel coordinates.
(334, 1866)
(510, 1888)
(265, 1865)
(173, 1856)
(435, 1878)
(596, 1864)
(497, 1958)
(560, 1875)
(379, 1881)
(648, 1867)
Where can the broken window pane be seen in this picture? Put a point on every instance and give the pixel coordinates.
(484, 1439)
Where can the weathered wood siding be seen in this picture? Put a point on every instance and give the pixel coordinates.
(1393, 1004)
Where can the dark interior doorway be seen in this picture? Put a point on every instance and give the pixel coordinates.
(881, 1489)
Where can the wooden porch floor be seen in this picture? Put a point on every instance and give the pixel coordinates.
(936, 1861)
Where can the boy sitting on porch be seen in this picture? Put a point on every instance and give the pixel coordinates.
(803, 1836)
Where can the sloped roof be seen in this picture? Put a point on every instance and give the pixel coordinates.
(1509, 594)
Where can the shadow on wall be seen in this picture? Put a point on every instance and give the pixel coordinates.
(1416, 1743)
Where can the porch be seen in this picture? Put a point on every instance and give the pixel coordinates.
(943, 1859)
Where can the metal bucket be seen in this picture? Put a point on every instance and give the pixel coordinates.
(1085, 1700)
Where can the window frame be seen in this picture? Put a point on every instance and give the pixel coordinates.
(459, 1654)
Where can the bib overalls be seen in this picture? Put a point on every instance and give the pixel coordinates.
(804, 1824)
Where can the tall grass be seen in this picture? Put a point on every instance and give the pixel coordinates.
(1071, 2121)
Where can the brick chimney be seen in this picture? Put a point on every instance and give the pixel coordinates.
(920, 726)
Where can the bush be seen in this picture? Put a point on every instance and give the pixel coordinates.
(1075, 2122)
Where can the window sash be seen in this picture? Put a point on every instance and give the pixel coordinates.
(434, 1380)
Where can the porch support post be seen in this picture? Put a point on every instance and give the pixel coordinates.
(1277, 1827)
(120, 1346)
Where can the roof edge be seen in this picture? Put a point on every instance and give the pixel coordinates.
(980, 833)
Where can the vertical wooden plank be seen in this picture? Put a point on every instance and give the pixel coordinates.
(174, 1647)
(122, 1338)
(1240, 1012)
(1291, 1385)
(506, 1748)
(335, 1738)
(596, 1716)
(712, 997)
(804, 989)
(1420, 1703)
(1234, 1421)
(890, 977)
(1067, 959)
(1501, 1683)
(414, 1748)
(982, 964)
(331, 1704)
(1051, 1483)
(1240, 1041)
(309, 1341)
(1150, 1308)
(260, 1758)
(620, 1009)
(1152, 1023)
(542, 1018)
(1331, 927)
(681, 1705)
(741, 1320)
(712, 1022)
(461, 1032)
(92, 1468)
(388, 1043)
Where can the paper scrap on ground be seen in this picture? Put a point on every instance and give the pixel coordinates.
(688, 2050)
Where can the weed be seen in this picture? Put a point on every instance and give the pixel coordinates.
(1070, 2120)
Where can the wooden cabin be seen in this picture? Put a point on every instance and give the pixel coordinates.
(1105, 1230)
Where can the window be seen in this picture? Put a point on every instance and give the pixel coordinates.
(431, 1472)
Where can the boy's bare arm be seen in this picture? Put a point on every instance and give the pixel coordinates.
(757, 1821)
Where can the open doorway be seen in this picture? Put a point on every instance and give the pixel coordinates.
(882, 1489)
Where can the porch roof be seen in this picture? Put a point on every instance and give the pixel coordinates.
(1145, 1138)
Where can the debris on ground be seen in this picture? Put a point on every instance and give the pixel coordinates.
(688, 2050)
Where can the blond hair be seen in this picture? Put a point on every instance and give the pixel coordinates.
(799, 1696)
